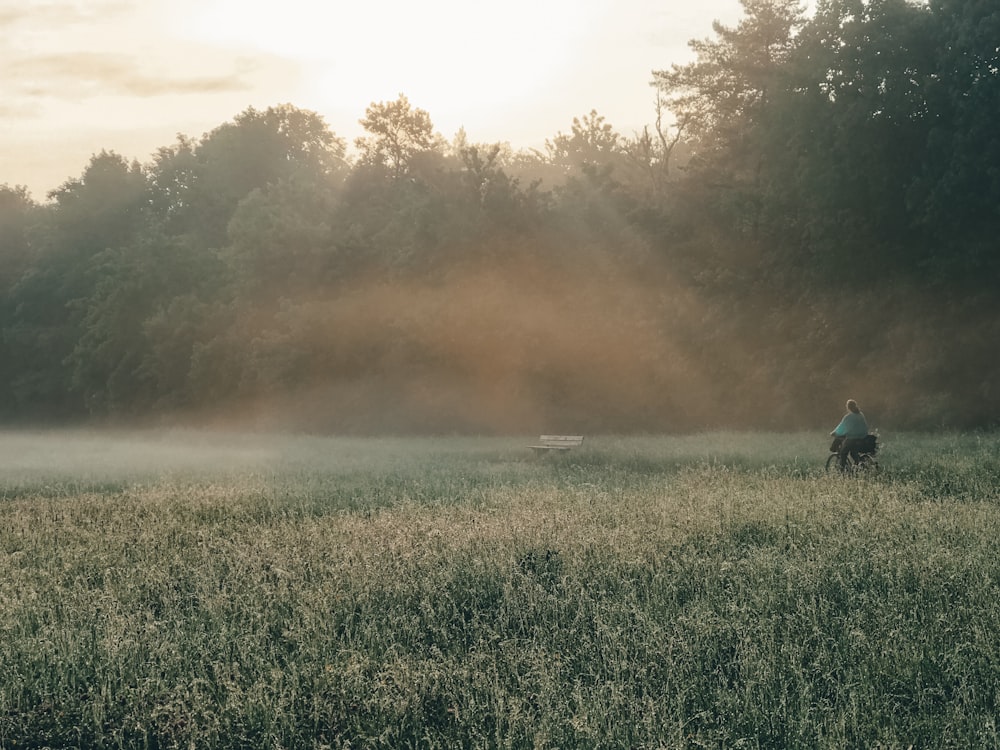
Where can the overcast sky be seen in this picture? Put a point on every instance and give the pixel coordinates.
(79, 76)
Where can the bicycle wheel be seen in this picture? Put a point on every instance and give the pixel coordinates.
(831, 463)
(867, 464)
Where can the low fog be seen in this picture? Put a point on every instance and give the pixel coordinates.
(95, 455)
(525, 346)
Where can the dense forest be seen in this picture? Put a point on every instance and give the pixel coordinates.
(814, 215)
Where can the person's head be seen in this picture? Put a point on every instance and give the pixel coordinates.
(852, 405)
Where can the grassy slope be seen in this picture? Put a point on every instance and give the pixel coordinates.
(714, 590)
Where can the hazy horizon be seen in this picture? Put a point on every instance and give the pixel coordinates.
(128, 77)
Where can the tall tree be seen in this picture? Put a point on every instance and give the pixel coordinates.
(592, 143)
(719, 100)
(17, 215)
(200, 185)
(957, 193)
(847, 135)
(280, 239)
(17, 210)
(106, 208)
(493, 197)
(398, 136)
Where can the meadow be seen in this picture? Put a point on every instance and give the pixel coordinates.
(198, 590)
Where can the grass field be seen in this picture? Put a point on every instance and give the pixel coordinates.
(720, 590)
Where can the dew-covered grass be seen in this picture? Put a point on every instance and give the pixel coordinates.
(718, 590)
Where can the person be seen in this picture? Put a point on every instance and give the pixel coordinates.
(851, 432)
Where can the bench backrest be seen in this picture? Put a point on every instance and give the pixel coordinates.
(561, 441)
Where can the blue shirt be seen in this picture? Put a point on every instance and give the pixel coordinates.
(852, 426)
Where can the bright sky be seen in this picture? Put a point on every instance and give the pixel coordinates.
(79, 76)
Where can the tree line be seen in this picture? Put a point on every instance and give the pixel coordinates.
(813, 215)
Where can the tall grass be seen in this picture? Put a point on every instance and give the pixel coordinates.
(709, 591)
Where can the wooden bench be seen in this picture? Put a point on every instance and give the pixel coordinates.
(557, 443)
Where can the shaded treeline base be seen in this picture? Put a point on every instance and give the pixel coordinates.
(828, 232)
(583, 359)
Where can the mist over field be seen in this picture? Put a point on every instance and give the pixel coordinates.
(70, 461)
(86, 457)
(520, 346)
(88, 454)
(507, 349)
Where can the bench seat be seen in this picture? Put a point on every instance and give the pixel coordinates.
(557, 443)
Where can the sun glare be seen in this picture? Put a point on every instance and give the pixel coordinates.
(449, 57)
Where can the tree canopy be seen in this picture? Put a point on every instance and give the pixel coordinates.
(813, 216)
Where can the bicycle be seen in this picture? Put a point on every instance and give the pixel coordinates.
(860, 459)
